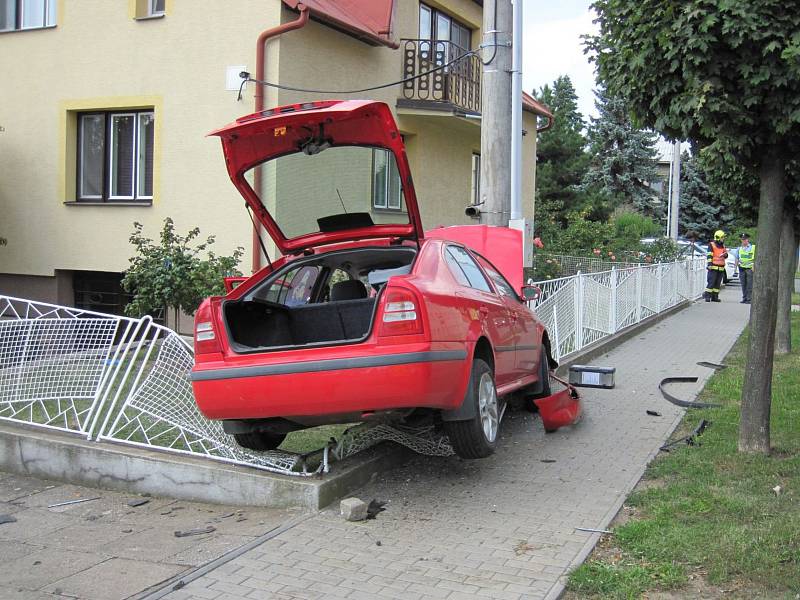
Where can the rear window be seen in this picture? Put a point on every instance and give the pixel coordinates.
(333, 188)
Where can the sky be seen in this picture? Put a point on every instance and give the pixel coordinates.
(552, 46)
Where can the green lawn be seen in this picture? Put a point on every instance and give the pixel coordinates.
(708, 516)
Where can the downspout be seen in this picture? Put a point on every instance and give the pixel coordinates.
(266, 35)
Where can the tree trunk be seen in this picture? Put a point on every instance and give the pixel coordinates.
(757, 385)
(786, 266)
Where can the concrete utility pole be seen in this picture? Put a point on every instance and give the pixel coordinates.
(675, 195)
(496, 113)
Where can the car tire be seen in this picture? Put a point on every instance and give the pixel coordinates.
(259, 440)
(544, 377)
(477, 437)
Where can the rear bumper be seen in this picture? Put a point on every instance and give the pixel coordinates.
(427, 378)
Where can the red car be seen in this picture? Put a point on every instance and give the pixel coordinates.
(363, 317)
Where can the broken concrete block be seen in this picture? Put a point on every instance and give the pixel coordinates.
(353, 509)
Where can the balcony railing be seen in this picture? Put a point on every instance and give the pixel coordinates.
(455, 87)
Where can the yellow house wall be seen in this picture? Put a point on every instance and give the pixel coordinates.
(98, 56)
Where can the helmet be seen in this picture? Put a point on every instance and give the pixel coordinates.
(719, 234)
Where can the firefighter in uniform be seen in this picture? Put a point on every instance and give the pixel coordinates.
(716, 266)
(745, 260)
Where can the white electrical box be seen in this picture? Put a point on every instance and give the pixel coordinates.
(526, 227)
(232, 79)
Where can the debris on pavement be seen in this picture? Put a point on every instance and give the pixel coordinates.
(353, 509)
(198, 531)
(375, 507)
(653, 413)
(138, 502)
(7, 519)
(691, 439)
(547, 460)
(678, 401)
(591, 530)
(68, 502)
(711, 365)
(522, 547)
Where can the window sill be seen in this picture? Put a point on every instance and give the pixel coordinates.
(388, 211)
(149, 17)
(111, 203)
(28, 29)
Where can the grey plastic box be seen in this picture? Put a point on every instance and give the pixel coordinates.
(589, 376)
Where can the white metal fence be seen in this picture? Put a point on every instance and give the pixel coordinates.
(109, 378)
(583, 309)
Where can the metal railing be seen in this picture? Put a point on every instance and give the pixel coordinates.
(458, 85)
(111, 378)
(561, 265)
(585, 308)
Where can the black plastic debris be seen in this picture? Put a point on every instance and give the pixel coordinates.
(691, 439)
(7, 519)
(138, 502)
(653, 413)
(375, 507)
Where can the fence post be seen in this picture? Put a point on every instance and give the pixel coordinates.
(555, 334)
(639, 271)
(612, 309)
(579, 311)
(659, 279)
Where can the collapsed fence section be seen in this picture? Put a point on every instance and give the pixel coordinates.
(112, 378)
(583, 309)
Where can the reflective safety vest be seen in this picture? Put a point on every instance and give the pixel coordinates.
(715, 254)
(747, 256)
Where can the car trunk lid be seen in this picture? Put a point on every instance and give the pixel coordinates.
(303, 207)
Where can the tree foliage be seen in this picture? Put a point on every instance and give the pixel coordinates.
(560, 154)
(701, 209)
(178, 272)
(623, 158)
(726, 75)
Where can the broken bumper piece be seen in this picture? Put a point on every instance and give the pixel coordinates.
(561, 408)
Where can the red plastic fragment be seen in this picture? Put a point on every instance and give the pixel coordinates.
(561, 408)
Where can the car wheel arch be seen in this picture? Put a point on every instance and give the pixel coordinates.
(483, 350)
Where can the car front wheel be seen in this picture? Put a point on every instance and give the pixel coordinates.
(477, 437)
(259, 440)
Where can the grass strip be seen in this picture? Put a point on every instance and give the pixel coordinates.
(706, 517)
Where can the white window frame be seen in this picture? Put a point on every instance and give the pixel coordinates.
(82, 162)
(153, 11)
(388, 185)
(108, 158)
(48, 16)
(476, 179)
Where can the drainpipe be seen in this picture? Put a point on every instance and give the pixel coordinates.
(266, 35)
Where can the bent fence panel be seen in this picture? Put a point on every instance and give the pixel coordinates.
(110, 378)
(583, 309)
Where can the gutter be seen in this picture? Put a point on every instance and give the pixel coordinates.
(263, 37)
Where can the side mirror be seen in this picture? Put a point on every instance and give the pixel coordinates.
(531, 292)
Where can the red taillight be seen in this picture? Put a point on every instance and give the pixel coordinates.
(205, 333)
(401, 313)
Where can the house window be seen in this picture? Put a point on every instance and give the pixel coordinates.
(436, 25)
(156, 8)
(115, 156)
(386, 189)
(27, 14)
(475, 194)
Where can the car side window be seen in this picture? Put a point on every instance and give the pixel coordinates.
(499, 281)
(292, 288)
(464, 269)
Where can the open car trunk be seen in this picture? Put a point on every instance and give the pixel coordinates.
(321, 300)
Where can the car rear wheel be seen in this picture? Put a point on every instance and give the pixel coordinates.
(259, 440)
(544, 377)
(477, 437)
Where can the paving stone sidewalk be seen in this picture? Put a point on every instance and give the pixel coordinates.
(503, 527)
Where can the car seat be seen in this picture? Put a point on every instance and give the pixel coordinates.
(351, 289)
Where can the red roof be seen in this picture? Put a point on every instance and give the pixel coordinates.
(367, 20)
(531, 104)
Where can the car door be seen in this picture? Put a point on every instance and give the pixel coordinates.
(491, 307)
(526, 333)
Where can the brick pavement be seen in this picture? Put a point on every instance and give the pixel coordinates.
(503, 527)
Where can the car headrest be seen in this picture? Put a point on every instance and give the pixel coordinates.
(351, 289)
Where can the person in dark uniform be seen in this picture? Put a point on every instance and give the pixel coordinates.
(715, 264)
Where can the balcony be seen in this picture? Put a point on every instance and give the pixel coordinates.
(455, 89)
